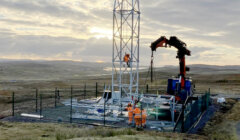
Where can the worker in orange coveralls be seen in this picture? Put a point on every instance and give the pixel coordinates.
(144, 118)
(130, 113)
(127, 59)
(137, 116)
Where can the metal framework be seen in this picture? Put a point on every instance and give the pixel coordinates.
(126, 30)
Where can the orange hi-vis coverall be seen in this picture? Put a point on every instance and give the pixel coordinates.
(144, 117)
(137, 116)
(127, 59)
(130, 114)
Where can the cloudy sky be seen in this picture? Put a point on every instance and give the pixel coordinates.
(81, 30)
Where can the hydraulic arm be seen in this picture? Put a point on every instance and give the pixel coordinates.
(182, 51)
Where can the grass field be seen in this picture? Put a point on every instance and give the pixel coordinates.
(40, 131)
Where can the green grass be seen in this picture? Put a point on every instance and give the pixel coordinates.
(44, 131)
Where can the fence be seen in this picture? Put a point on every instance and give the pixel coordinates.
(61, 105)
(53, 104)
(191, 112)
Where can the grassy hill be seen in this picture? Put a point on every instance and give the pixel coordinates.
(24, 74)
(49, 70)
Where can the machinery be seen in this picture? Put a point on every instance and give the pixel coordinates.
(180, 86)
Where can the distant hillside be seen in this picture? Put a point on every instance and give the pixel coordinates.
(49, 70)
(203, 69)
(60, 70)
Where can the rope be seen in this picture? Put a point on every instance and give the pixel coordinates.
(151, 64)
(147, 75)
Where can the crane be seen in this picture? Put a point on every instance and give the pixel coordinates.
(181, 53)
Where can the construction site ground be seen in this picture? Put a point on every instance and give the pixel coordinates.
(56, 115)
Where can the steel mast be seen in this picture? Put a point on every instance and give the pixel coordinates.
(126, 30)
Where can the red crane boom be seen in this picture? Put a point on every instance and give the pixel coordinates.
(182, 51)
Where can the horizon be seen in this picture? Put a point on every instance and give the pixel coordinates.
(39, 60)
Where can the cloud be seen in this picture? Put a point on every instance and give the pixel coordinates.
(46, 47)
(81, 30)
(237, 23)
(47, 7)
(216, 34)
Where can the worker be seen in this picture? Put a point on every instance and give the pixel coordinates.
(127, 59)
(130, 113)
(137, 116)
(144, 118)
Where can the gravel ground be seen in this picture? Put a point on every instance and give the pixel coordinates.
(23, 119)
(61, 114)
(33, 120)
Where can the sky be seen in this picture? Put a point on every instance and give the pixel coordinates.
(81, 30)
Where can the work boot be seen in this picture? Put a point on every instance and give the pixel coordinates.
(139, 129)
